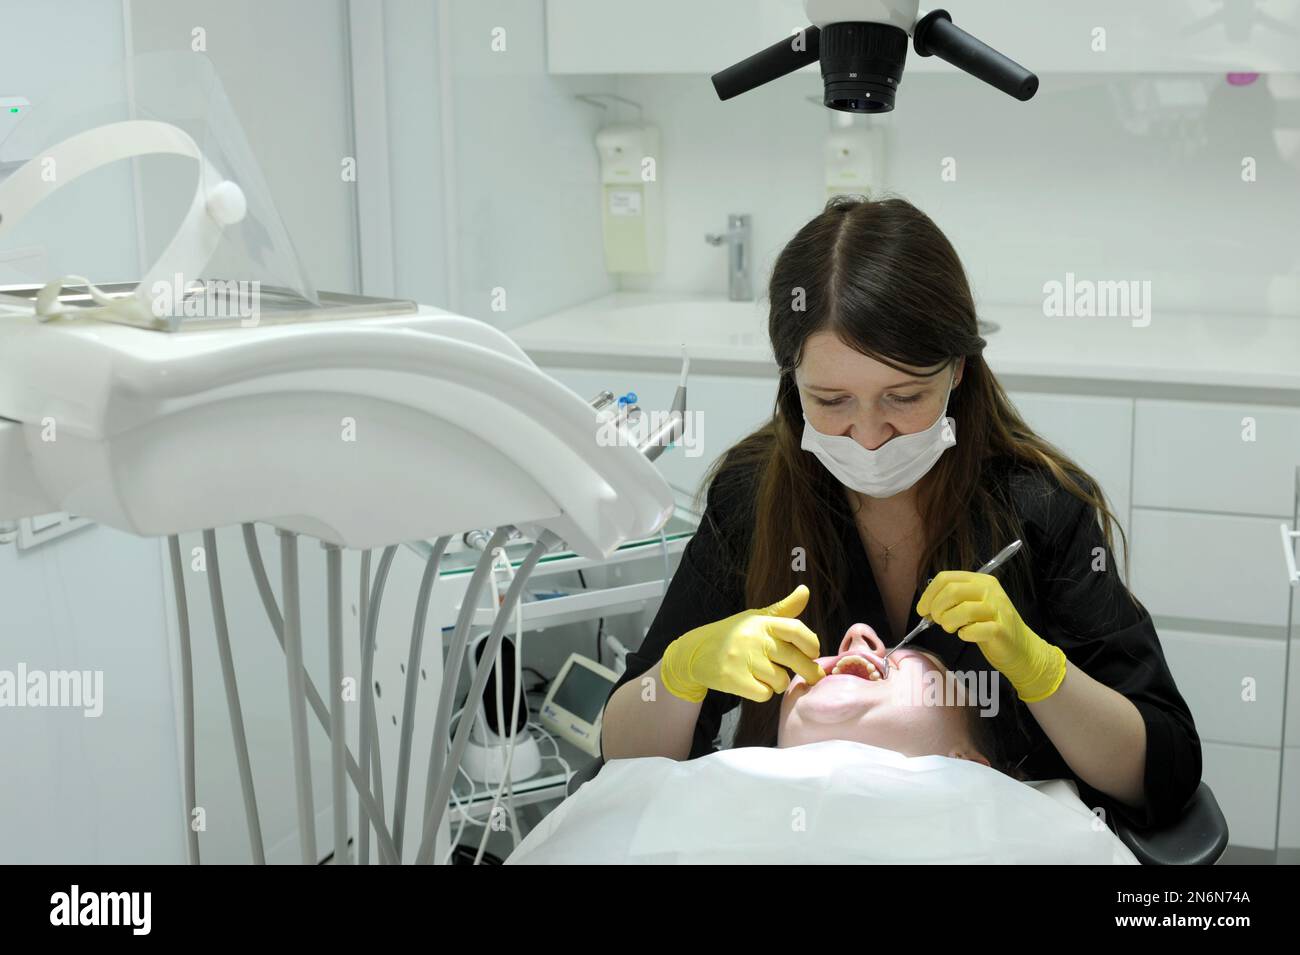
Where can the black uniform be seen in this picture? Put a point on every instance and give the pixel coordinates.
(1088, 614)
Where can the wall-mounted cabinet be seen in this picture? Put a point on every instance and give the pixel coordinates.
(1102, 36)
(668, 36)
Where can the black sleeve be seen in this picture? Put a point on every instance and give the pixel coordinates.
(1089, 613)
(708, 585)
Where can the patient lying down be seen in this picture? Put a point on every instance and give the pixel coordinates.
(915, 754)
(919, 709)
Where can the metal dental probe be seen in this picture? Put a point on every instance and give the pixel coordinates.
(1003, 556)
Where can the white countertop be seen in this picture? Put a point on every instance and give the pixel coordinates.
(1175, 348)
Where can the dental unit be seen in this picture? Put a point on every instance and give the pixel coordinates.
(119, 405)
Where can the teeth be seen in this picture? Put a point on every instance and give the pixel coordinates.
(858, 666)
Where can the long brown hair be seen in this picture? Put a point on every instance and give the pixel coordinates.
(883, 277)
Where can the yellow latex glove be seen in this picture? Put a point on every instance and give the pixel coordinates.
(744, 654)
(977, 609)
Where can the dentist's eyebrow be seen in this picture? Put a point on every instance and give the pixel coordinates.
(897, 384)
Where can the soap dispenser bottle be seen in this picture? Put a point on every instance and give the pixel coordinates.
(631, 205)
(855, 161)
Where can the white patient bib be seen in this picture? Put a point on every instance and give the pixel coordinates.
(836, 802)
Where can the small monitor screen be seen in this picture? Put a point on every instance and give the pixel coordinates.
(583, 693)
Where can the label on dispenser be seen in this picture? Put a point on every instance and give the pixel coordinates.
(624, 202)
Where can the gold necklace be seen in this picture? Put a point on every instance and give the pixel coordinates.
(887, 553)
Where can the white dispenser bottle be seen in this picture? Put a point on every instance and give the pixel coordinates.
(855, 161)
(631, 205)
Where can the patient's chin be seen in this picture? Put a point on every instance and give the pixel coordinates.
(836, 700)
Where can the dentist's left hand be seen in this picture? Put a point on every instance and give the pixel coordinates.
(977, 609)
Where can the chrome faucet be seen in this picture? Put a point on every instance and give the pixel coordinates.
(739, 239)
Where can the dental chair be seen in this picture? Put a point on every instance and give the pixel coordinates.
(1198, 837)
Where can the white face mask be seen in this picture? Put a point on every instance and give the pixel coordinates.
(894, 466)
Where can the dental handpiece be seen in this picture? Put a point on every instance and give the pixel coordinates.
(1003, 556)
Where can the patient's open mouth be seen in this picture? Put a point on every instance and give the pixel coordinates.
(855, 665)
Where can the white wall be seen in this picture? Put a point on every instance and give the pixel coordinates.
(521, 154)
(284, 67)
(105, 245)
(85, 789)
(1108, 176)
(1073, 180)
(526, 168)
(109, 789)
(82, 789)
(416, 157)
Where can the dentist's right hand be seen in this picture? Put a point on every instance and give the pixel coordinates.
(744, 654)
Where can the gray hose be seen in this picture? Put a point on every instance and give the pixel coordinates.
(187, 694)
(451, 672)
(338, 722)
(368, 744)
(365, 590)
(295, 670)
(364, 796)
(364, 604)
(433, 819)
(236, 711)
(507, 784)
(413, 686)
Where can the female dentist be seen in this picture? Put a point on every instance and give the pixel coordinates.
(893, 458)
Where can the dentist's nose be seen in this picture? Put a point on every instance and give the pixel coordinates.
(871, 438)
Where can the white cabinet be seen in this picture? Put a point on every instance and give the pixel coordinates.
(1239, 722)
(1097, 433)
(1102, 36)
(1212, 482)
(667, 36)
(1210, 567)
(1207, 456)
(1177, 36)
(1288, 835)
(1244, 782)
(1232, 684)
